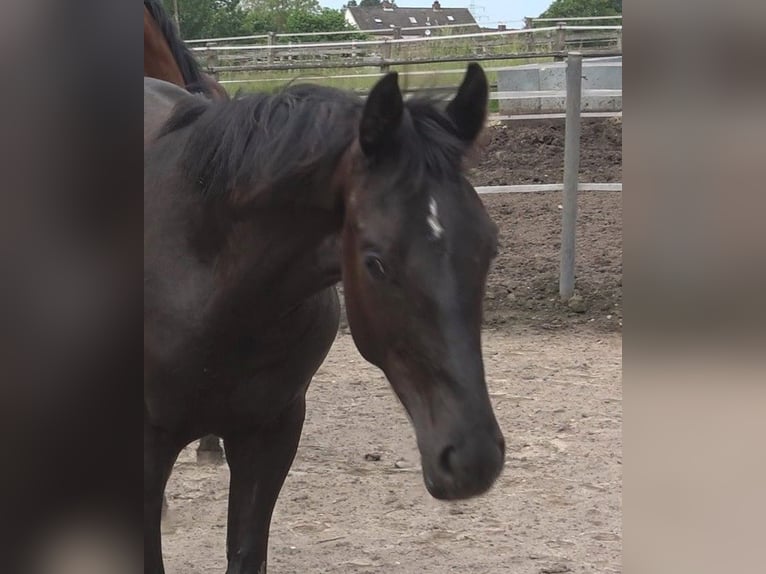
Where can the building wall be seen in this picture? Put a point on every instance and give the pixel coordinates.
(350, 19)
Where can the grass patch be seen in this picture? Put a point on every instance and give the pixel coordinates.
(413, 76)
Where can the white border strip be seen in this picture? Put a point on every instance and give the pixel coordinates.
(549, 94)
(551, 116)
(540, 187)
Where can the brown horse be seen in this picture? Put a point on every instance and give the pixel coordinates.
(166, 57)
(254, 209)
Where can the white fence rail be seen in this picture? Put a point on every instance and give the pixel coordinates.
(375, 32)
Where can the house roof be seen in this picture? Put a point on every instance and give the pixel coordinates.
(382, 19)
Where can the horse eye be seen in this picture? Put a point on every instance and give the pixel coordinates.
(375, 266)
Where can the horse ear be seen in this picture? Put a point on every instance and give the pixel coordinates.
(468, 109)
(382, 115)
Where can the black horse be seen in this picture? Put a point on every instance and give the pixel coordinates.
(254, 209)
(166, 57)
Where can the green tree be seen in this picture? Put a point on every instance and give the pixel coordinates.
(575, 8)
(283, 5)
(369, 3)
(221, 18)
(326, 20)
(229, 19)
(210, 18)
(276, 12)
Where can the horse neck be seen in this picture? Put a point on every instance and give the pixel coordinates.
(271, 212)
(296, 250)
(291, 240)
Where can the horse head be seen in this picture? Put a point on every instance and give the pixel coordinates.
(417, 245)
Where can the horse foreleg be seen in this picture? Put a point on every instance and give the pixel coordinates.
(160, 453)
(259, 463)
(209, 450)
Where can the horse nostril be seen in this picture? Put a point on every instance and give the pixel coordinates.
(444, 459)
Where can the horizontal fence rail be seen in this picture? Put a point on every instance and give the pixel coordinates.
(378, 31)
(352, 32)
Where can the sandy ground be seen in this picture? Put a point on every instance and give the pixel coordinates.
(555, 379)
(556, 507)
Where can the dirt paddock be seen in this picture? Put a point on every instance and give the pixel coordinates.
(354, 500)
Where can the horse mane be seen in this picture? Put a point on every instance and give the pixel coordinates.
(436, 147)
(295, 137)
(187, 63)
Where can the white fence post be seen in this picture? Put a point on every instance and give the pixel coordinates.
(571, 173)
(270, 41)
(561, 40)
(212, 59)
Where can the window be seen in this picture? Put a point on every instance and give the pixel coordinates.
(451, 18)
(413, 20)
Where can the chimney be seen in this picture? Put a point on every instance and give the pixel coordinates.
(436, 6)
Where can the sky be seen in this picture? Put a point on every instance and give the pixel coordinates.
(486, 12)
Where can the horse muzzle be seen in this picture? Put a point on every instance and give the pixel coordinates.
(465, 467)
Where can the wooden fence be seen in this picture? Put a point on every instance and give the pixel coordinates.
(225, 59)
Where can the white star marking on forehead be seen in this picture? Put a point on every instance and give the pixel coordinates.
(433, 219)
